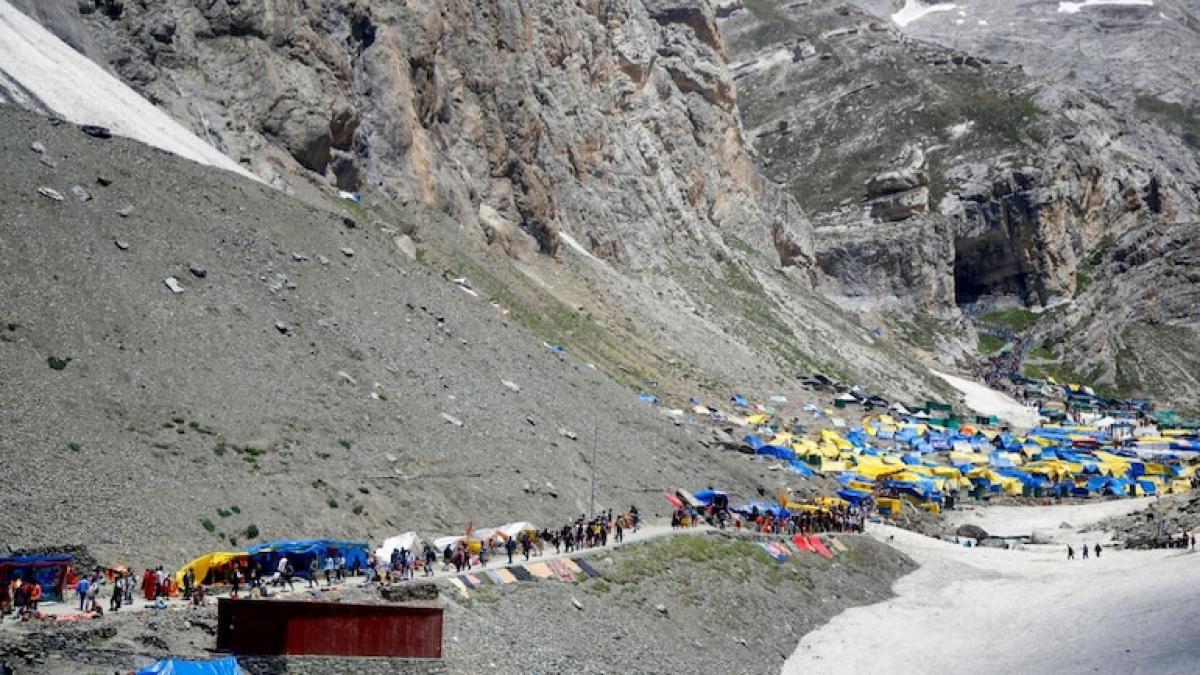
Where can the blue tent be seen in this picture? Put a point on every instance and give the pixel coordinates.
(753, 441)
(775, 451)
(801, 468)
(854, 496)
(707, 497)
(763, 507)
(649, 398)
(225, 666)
(738, 400)
(300, 551)
(49, 571)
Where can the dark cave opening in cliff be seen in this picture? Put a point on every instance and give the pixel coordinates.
(987, 266)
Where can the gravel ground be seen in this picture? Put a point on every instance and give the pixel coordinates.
(310, 380)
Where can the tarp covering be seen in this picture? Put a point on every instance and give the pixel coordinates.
(300, 551)
(49, 571)
(208, 562)
(408, 540)
(225, 666)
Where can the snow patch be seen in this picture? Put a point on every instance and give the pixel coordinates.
(44, 73)
(915, 9)
(988, 401)
(961, 129)
(1074, 7)
(577, 247)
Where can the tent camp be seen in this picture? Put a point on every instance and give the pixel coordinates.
(409, 540)
(225, 666)
(49, 571)
(211, 567)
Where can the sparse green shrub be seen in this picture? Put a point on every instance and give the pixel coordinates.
(219, 449)
(208, 525)
(57, 363)
(224, 513)
(332, 503)
(194, 424)
(344, 443)
(358, 509)
(365, 491)
(75, 446)
(235, 509)
(178, 420)
(252, 531)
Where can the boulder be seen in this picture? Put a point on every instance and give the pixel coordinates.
(972, 531)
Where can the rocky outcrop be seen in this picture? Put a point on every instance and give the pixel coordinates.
(615, 122)
(901, 193)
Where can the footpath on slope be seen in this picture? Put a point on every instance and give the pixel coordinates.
(1019, 611)
(664, 600)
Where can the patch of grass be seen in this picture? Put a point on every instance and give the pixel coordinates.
(74, 446)
(364, 490)
(358, 509)
(1185, 118)
(1044, 350)
(1016, 319)
(251, 531)
(219, 449)
(208, 525)
(57, 363)
(194, 424)
(333, 504)
(224, 513)
(178, 420)
(990, 344)
(344, 443)
(167, 425)
(736, 243)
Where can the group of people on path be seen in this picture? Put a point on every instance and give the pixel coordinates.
(1084, 548)
(839, 518)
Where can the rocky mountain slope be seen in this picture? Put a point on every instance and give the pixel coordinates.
(605, 134)
(307, 379)
(952, 173)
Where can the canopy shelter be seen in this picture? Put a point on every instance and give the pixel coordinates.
(225, 666)
(300, 551)
(514, 530)
(49, 571)
(211, 568)
(408, 540)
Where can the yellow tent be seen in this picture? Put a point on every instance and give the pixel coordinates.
(757, 419)
(209, 561)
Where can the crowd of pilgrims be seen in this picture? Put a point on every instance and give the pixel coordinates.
(580, 533)
(840, 518)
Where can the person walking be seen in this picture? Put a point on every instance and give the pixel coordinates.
(510, 546)
(1070, 552)
(1085, 551)
(314, 569)
(35, 595)
(114, 604)
(82, 589)
(1097, 550)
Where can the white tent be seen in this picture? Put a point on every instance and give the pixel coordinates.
(442, 542)
(408, 540)
(515, 529)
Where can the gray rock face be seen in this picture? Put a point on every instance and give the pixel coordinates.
(617, 124)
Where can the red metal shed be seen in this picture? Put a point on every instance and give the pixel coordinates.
(270, 627)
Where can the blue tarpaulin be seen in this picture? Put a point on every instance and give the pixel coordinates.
(300, 551)
(649, 398)
(801, 468)
(225, 666)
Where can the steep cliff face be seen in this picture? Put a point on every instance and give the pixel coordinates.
(605, 135)
(614, 123)
(941, 180)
